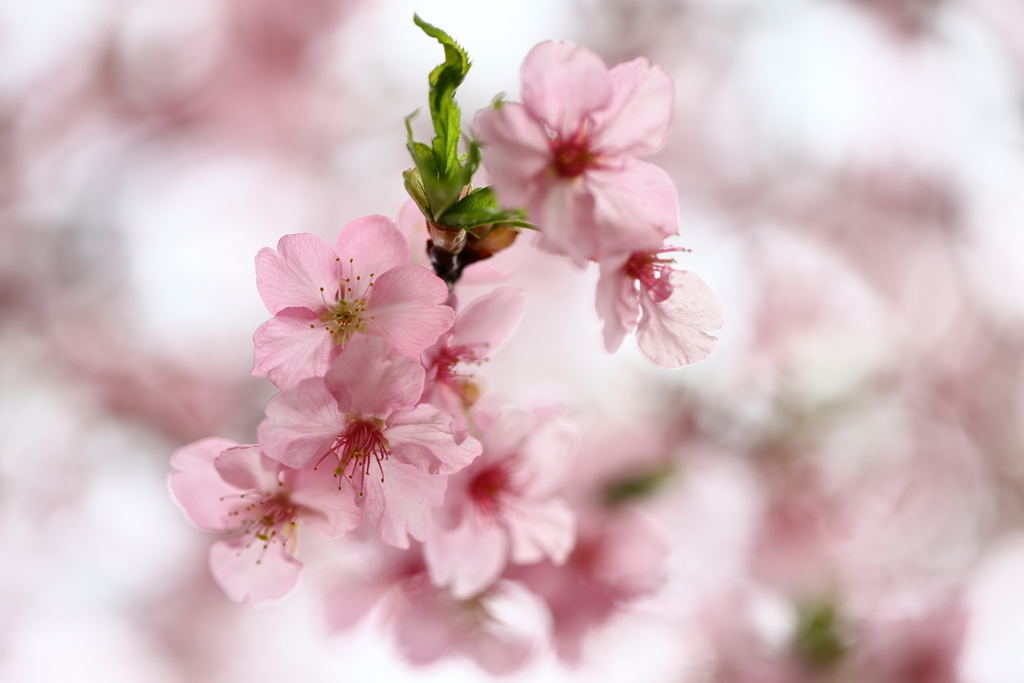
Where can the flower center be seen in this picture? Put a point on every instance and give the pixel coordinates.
(571, 157)
(267, 518)
(344, 319)
(487, 487)
(653, 273)
(358, 447)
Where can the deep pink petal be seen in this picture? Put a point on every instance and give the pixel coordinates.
(468, 558)
(486, 322)
(639, 115)
(635, 206)
(539, 529)
(289, 350)
(293, 275)
(618, 304)
(422, 437)
(326, 503)
(378, 383)
(370, 245)
(301, 424)
(517, 151)
(407, 310)
(246, 468)
(563, 84)
(400, 505)
(253, 575)
(673, 333)
(197, 487)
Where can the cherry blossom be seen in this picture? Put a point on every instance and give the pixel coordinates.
(227, 488)
(500, 628)
(478, 331)
(363, 419)
(569, 152)
(504, 507)
(322, 296)
(678, 308)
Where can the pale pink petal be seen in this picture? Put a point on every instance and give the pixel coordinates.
(413, 225)
(246, 468)
(639, 115)
(673, 333)
(198, 489)
(564, 84)
(351, 599)
(422, 437)
(400, 505)
(326, 503)
(468, 558)
(370, 245)
(483, 273)
(488, 320)
(564, 213)
(407, 309)
(291, 347)
(618, 304)
(517, 151)
(301, 424)
(375, 382)
(539, 529)
(546, 458)
(635, 206)
(253, 574)
(507, 435)
(293, 275)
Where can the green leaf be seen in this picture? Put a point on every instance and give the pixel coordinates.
(444, 111)
(637, 486)
(480, 207)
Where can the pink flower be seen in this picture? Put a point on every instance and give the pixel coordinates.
(678, 309)
(499, 629)
(476, 334)
(363, 416)
(321, 296)
(569, 152)
(227, 488)
(504, 506)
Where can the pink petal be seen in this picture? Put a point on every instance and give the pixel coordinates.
(288, 350)
(618, 304)
(517, 151)
(563, 84)
(507, 435)
(253, 575)
(372, 244)
(639, 115)
(246, 468)
(635, 206)
(349, 601)
(564, 213)
(400, 505)
(488, 320)
(293, 275)
(672, 333)
(539, 529)
(198, 488)
(468, 558)
(422, 437)
(326, 503)
(546, 458)
(301, 424)
(377, 383)
(407, 309)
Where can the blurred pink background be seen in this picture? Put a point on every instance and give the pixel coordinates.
(851, 178)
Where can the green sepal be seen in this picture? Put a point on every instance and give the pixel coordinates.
(480, 207)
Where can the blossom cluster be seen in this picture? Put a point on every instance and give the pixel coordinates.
(379, 432)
